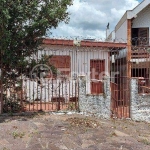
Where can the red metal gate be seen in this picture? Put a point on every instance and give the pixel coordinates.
(54, 97)
(120, 96)
(58, 91)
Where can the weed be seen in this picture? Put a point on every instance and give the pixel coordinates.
(113, 134)
(18, 134)
(71, 106)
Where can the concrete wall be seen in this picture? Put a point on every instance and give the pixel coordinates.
(95, 105)
(100, 105)
(140, 104)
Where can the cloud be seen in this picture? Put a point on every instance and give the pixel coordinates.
(89, 18)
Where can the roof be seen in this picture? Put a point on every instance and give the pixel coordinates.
(129, 14)
(133, 13)
(84, 43)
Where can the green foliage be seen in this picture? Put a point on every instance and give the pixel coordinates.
(22, 24)
(11, 105)
(46, 60)
(72, 106)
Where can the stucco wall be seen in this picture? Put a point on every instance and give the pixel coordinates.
(95, 105)
(140, 104)
(121, 33)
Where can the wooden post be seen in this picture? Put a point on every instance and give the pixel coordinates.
(129, 48)
(129, 44)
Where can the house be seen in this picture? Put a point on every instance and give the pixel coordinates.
(87, 57)
(71, 59)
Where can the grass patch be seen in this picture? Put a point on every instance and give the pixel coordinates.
(16, 134)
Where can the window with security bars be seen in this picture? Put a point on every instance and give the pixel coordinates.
(140, 36)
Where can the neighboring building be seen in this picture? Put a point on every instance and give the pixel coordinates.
(134, 29)
(133, 62)
(134, 24)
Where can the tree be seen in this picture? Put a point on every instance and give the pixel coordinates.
(22, 24)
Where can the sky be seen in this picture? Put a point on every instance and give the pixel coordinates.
(89, 18)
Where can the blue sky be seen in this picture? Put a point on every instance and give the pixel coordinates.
(89, 18)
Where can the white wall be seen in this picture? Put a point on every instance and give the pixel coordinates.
(142, 19)
(80, 57)
(121, 33)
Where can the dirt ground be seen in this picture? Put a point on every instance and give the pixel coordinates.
(71, 132)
